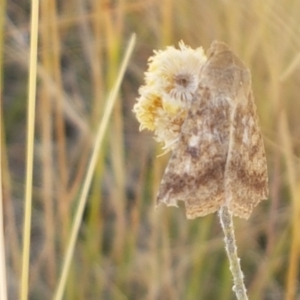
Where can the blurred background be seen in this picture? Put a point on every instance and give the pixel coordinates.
(127, 249)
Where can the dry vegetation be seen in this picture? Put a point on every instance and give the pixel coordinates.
(125, 249)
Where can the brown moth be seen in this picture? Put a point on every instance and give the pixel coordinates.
(219, 158)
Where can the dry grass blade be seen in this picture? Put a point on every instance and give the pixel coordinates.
(91, 167)
(3, 289)
(293, 268)
(30, 148)
(3, 283)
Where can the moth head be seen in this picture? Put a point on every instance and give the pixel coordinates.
(225, 72)
(216, 48)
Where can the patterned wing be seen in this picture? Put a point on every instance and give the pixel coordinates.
(195, 172)
(246, 170)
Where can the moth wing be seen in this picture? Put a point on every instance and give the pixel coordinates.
(246, 178)
(195, 172)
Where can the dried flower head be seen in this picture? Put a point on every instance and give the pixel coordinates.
(170, 84)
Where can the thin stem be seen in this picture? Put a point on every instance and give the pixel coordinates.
(231, 249)
(30, 148)
(3, 282)
(90, 171)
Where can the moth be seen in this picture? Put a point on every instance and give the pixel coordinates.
(219, 158)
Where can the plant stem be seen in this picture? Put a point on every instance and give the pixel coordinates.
(34, 29)
(231, 249)
(90, 171)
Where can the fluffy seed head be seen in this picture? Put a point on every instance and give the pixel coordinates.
(170, 83)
